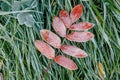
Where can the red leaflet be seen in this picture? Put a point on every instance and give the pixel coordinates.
(82, 26)
(45, 49)
(64, 16)
(65, 62)
(59, 27)
(76, 13)
(80, 36)
(73, 51)
(50, 38)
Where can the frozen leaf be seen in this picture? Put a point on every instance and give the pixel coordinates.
(29, 3)
(64, 16)
(26, 18)
(80, 36)
(65, 62)
(5, 5)
(59, 26)
(81, 26)
(101, 71)
(50, 38)
(73, 51)
(76, 13)
(16, 6)
(45, 49)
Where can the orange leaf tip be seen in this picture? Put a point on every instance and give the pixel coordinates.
(45, 49)
(65, 62)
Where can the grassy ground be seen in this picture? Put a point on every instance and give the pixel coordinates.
(21, 60)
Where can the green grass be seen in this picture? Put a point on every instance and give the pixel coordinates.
(21, 60)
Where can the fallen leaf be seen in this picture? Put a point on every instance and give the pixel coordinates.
(73, 51)
(59, 26)
(26, 18)
(76, 13)
(81, 26)
(101, 71)
(65, 62)
(45, 49)
(51, 38)
(64, 16)
(80, 36)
